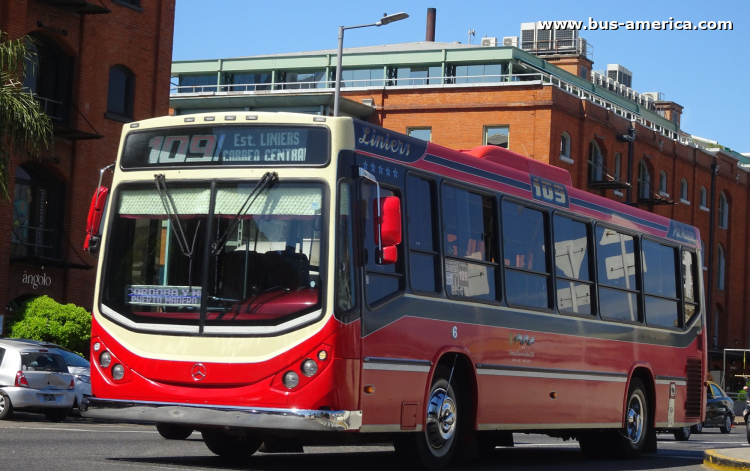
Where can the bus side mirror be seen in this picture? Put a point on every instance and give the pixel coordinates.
(94, 220)
(390, 229)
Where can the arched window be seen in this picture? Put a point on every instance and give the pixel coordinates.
(684, 190)
(663, 182)
(703, 197)
(596, 163)
(644, 180)
(565, 146)
(38, 199)
(723, 211)
(720, 265)
(121, 93)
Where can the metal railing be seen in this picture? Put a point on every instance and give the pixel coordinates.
(28, 240)
(541, 47)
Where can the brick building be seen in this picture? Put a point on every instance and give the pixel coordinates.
(98, 64)
(545, 103)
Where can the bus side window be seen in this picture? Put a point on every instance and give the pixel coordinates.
(381, 281)
(689, 284)
(616, 268)
(469, 235)
(574, 279)
(527, 274)
(422, 234)
(346, 296)
(660, 284)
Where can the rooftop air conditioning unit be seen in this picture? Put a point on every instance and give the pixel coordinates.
(491, 42)
(538, 40)
(510, 41)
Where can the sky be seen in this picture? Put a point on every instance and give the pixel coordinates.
(707, 72)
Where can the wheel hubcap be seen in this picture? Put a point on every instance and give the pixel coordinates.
(441, 418)
(2, 404)
(634, 427)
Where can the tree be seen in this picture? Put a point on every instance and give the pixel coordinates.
(24, 127)
(44, 319)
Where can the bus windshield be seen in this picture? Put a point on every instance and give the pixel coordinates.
(262, 254)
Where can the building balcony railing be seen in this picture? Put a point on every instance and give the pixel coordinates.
(543, 78)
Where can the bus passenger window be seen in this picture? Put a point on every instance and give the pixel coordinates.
(527, 273)
(574, 283)
(660, 284)
(381, 281)
(689, 282)
(618, 291)
(422, 234)
(469, 238)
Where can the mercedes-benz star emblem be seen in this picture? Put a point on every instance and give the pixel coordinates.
(198, 372)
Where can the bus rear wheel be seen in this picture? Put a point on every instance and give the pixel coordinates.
(436, 445)
(232, 447)
(632, 439)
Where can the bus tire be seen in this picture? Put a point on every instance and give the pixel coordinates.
(173, 431)
(631, 440)
(697, 428)
(682, 434)
(726, 424)
(747, 431)
(6, 408)
(232, 447)
(446, 417)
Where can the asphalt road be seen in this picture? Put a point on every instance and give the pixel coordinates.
(30, 442)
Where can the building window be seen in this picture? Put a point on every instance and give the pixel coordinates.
(618, 164)
(663, 183)
(565, 147)
(684, 191)
(703, 198)
(38, 204)
(480, 73)
(644, 181)
(723, 211)
(121, 93)
(48, 77)
(596, 163)
(197, 84)
(424, 75)
(249, 82)
(720, 265)
(362, 77)
(496, 136)
(302, 80)
(584, 73)
(420, 133)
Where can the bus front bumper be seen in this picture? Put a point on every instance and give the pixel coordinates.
(197, 415)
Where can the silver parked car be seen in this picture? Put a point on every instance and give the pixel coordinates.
(34, 379)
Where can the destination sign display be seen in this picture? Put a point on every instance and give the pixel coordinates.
(227, 145)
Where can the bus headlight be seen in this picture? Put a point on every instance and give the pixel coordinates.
(105, 359)
(118, 372)
(309, 367)
(291, 379)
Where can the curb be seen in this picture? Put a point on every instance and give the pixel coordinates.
(712, 459)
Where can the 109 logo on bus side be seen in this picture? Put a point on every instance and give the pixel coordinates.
(549, 192)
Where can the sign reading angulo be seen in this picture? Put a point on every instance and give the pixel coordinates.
(36, 280)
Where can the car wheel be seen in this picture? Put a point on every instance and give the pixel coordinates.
(6, 408)
(631, 441)
(57, 415)
(173, 432)
(233, 447)
(682, 435)
(697, 428)
(435, 446)
(726, 426)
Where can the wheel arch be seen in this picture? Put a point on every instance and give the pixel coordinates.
(643, 372)
(465, 374)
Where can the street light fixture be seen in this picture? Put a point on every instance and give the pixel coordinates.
(386, 19)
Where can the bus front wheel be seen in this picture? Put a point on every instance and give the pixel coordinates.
(445, 419)
(233, 447)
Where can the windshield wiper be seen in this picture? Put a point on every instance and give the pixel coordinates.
(268, 179)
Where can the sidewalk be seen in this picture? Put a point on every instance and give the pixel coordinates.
(727, 459)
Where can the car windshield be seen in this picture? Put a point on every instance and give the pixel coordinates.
(73, 359)
(43, 361)
(262, 254)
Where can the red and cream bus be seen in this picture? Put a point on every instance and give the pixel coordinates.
(286, 279)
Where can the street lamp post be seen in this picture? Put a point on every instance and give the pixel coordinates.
(383, 21)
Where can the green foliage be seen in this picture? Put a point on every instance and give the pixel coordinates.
(45, 319)
(24, 127)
